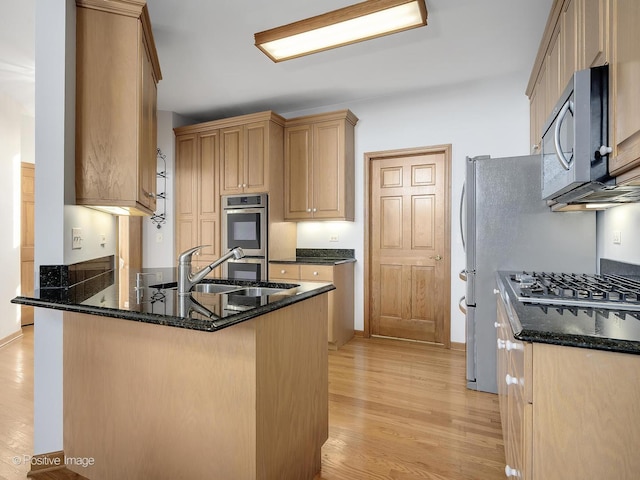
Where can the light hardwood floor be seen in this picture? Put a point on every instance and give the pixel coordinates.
(397, 410)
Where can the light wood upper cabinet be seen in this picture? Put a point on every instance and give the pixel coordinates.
(117, 71)
(245, 158)
(594, 34)
(198, 196)
(625, 90)
(319, 167)
(576, 37)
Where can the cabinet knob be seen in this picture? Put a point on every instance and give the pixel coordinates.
(496, 324)
(513, 346)
(239, 186)
(437, 258)
(283, 271)
(496, 291)
(308, 210)
(511, 472)
(244, 185)
(315, 274)
(511, 380)
(500, 344)
(535, 147)
(315, 209)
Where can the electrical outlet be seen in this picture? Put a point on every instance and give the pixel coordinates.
(76, 238)
(617, 237)
(103, 239)
(333, 238)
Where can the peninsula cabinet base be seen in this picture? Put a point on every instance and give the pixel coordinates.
(246, 402)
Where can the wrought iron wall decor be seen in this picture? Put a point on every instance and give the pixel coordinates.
(159, 217)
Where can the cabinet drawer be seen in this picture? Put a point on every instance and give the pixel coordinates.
(284, 270)
(316, 273)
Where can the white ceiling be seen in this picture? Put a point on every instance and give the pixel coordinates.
(211, 69)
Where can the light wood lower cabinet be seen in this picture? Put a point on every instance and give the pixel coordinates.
(567, 412)
(340, 321)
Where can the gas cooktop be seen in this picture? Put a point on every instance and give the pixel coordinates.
(579, 290)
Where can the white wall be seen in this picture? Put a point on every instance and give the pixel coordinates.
(626, 220)
(489, 118)
(11, 114)
(159, 252)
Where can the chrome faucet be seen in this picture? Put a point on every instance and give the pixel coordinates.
(187, 279)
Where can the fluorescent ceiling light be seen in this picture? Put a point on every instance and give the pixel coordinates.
(362, 21)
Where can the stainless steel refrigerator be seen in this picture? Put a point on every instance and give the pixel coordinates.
(507, 226)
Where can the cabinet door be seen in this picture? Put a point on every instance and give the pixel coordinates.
(594, 34)
(186, 193)
(256, 157)
(232, 160)
(297, 172)
(208, 195)
(147, 156)
(625, 75)
(568, 42)
(553, 72)
(328, 170)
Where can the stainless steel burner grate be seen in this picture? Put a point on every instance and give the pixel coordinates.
(605, 291)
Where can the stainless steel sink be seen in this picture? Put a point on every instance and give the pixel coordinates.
(215, 288)
(257, 291)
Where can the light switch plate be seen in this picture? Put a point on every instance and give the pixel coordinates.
(76, 238)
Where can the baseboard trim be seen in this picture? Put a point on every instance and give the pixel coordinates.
(10, 338)
(459, 346)
(46, 462)
(358, 333)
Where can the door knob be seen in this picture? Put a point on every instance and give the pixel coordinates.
(437, 258)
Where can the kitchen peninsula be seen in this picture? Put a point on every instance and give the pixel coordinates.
(217, 385)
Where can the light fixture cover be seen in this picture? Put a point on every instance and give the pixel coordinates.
(362, 21)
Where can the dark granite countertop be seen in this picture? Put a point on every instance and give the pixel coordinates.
(156, 302)
(319, 256)
(600, 329)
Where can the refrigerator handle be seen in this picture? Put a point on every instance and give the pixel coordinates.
(462, 305)
(462, 195)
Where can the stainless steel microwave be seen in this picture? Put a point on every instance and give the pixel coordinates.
(575, 138)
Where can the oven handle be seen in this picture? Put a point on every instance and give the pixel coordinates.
(567, 107)
(245, 210)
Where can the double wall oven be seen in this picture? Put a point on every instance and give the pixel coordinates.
(245, 224)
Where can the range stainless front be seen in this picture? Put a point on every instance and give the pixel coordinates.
(245, 224)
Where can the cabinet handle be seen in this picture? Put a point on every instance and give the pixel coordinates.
(513, 346)
(511, 472)
(500, 344)
(437, 257)
(511, 380)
